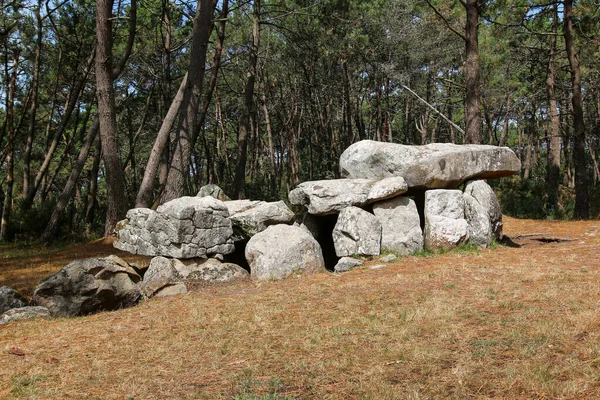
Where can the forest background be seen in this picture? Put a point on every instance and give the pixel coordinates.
(109, 105)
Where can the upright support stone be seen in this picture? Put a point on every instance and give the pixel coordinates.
(401, 225)
(357, 232)
(445, 224)
(484, 195)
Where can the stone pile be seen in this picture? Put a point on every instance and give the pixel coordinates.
(393, 199)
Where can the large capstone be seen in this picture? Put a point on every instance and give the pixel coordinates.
(332, 196)
(445, 224)
(89, 286)
(357, 232)
(485, 196)
(436, 165)
(401, 225)
(281, 250)
(10, 298)
(250, 217)
(186, 227)
(170, 276)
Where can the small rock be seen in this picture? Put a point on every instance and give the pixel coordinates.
(347, 263)
(20, 313)
(377, 266)
(10, 298)
(389, 258)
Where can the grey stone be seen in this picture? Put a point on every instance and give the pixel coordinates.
(187, 227)
(347, 263)
(480, 227)
(445, 224)
(213, 191)
(16, 314)
(251, 217)
(401, 225)
(89, 286)
(389, 258)
(484, 194)
(332, 196)
(436, 165)
(309, 223)
(10, 298)
(168, 276)
(281, 250)
(357, 232)
(377, 266)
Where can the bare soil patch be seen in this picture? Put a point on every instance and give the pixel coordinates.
(515, 322)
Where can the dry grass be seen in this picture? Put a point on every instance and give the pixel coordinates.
(508, 323)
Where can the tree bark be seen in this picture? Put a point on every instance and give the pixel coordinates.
(240, 170)
(582, 203)
(554, 168)
(472, 109)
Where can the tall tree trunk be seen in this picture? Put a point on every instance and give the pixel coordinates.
(472, 109)
(10, 160)
(240, 170)
(187, 125)
(582, 203)
(554, 170)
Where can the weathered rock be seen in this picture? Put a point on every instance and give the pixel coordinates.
(10, 298)
(357, 232)
(281, 250)
(347, 263)
(168, 276)
(186, 227)
(480, 227)
(445, 224)
(88, 286)
(213, 191)
(15, 314)
(389, 258)
(401, 225)
(309, 223)
(250, 217)
(436, 165)
(484, 194)
(331, 196)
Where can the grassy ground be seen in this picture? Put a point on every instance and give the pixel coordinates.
(508, 323)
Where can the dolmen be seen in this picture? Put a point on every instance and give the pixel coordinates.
(393, 200)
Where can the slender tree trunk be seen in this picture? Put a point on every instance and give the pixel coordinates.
(472, 109)
(240, 171)
(10, 160)
(582, 203)
(92, 201)
(554, 170)
(187, 125)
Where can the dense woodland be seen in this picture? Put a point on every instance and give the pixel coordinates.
(110, 105)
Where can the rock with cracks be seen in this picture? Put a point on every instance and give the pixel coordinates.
(484, 195)
(357, 232)
(10, 298)
(250, 217)
(401, 225)
(332, 196)
(89, 286)
(16, 314)
(187, 227)
(281, 250)
(436, 165)
(478, 219)
(213, 191)
(169, 276)
(445, 224)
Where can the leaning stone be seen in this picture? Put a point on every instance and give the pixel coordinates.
(347, 263)
(16, 314)
(332, 196)
(213, 191)
(357, 232)
(445, 224)
(401, 225)
(281, 250)
(10, 298)
(309, 223)
(436, 165)
(480, 228)
(257, 216)
(484, 194)
(89, 286)
(169, 276)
